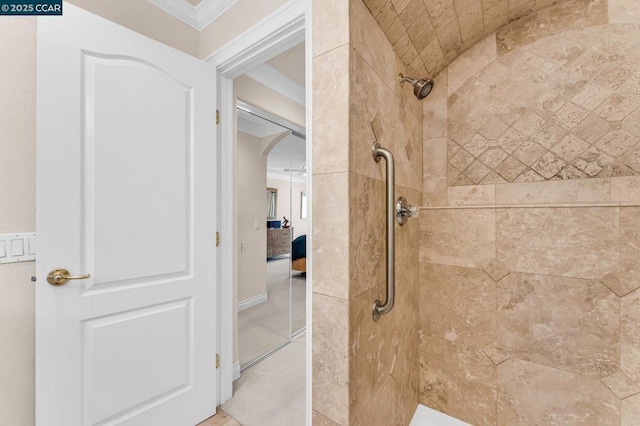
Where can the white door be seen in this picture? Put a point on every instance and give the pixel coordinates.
(126, 193)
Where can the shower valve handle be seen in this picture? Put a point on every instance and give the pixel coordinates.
(404, 210)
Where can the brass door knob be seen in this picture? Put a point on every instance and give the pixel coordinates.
(60, 276)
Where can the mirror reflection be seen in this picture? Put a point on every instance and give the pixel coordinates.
(272, 238)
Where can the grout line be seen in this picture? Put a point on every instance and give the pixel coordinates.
(511, 271)
(330, 50)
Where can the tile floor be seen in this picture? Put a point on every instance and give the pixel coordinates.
(221, 418)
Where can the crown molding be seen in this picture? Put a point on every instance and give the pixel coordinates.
(279, 82)
(198, 17)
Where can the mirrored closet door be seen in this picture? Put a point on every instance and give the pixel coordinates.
(272, 230)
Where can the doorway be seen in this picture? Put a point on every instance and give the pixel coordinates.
(271, 121)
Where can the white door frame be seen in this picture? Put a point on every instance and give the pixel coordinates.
(271, 36)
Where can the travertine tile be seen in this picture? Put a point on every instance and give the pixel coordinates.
(435, 171)
(617, 142)
(366, 229)
(621, 385)
(560, 397)
(548, 165)
(624, 11)
(384, 355)
(368, 39)
(624, 280)
(570, 242)
(496, 270)
(592, 128)
(511, 168)
(331, 357)
(471, 62)
(460, 305)
(561, 94)
(371, 100)
(569, 116)
(631, 411)
(496, 353)
(458, 237)
(473, 195)
(330, 25)
(559, 18)
(331, 243)
(625, 188)
(331, 111)
(435, 109)
(616, 108)
(565, 323)
(569, 191)
(458, 380)
(629, 336)
(318, 419)
(629, 236)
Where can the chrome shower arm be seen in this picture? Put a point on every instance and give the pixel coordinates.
(378, 307)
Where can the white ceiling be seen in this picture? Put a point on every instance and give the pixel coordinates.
(284, 74)
(291, 63)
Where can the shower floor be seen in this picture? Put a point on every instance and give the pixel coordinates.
(425, 416)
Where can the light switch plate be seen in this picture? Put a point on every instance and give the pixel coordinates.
(17, 247)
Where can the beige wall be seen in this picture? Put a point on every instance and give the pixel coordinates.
(17, 181)
(252, 183)
(145, 18)
(364, 371)
(528, 314)
(17, 214)
(239, 18)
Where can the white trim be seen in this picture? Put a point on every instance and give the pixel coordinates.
(271, 36)
(208, 11)
(309, 118)
(279, 82)
(252, 301)
(236, 371)
(228, 258)
(198, 17)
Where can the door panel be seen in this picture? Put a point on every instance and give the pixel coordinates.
(135, 112)
(120, 353)
(126, 190)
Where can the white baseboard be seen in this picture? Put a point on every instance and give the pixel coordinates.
(252, 301)
(236, 371)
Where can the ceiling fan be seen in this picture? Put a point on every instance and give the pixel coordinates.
(299, 171)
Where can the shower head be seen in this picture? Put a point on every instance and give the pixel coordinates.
(421, 88)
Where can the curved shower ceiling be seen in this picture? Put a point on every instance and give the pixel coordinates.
(430, 34)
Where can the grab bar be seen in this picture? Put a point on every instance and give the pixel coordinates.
(378, 307)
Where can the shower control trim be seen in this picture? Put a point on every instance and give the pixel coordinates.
(404, 211)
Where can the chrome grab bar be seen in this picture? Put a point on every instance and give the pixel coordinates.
(378, 307)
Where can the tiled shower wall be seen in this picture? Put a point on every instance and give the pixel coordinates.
(364, 372)
(529, 288)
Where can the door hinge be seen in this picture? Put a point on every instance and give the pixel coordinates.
(217, 239)
(217, 360)
(217, 116)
